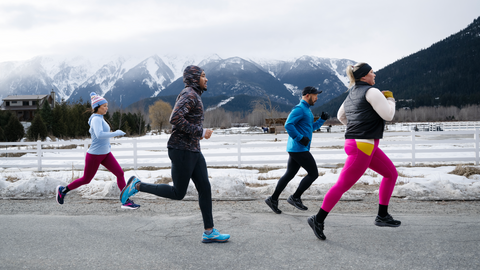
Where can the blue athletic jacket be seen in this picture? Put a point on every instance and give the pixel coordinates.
(100, 133)
(300, 123)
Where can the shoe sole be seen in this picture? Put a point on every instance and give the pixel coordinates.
(128, 207)
(271, 207)
(56, 195)
(382, 224)
(310, 222)
(298, 207)
(207, 241)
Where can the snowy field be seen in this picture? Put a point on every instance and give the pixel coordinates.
(255, 179)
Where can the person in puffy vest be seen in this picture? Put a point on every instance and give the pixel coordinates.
(364, 112)
(184, 152)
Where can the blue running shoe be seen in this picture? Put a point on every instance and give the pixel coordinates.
(129, 190)
(215, 236)
(130, 205)
(60, 194)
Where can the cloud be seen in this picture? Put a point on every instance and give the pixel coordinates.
(375, 31)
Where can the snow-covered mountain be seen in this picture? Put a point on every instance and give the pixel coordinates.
(124, 80)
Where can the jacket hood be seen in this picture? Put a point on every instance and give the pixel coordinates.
(191, 78)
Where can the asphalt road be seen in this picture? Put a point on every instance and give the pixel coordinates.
(82, 234)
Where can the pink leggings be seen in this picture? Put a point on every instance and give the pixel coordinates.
(356, 164)
(92, 162)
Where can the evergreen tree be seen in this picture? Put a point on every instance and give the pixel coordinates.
(14, 130)
(2, 135)
(59, 128)
(47, 115)
(38, 129)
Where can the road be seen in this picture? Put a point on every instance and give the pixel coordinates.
(164, 234)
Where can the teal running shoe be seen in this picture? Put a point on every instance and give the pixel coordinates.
(129, 190)
(215, 237)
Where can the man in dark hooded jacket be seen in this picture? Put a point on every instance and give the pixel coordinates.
(184, 152)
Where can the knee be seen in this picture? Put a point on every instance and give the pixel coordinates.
(313, 174)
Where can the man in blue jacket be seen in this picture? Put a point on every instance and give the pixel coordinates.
(300, 126)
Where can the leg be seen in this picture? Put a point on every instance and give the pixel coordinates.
(92, 162)
(112, 165)
(356, 164)
(202, 184)
(182, 167)
(384, 166)
(306, 160)
(292, 169)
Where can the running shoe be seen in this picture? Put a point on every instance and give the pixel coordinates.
(129, 190)
(215, 237)
(317, 227)
(273, 205)
(130, 205)
(297, 202)
(60, 195)
(387, 221)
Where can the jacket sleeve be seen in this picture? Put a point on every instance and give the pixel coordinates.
(97, 126)
(183, 106)
(294, 116)
(341, 116)
(383, 106)
(318, 124)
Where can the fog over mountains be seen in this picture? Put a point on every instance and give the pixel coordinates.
(124, 80)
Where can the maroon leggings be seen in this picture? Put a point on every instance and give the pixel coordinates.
(92, 162)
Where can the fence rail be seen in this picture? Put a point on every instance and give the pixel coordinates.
(242, 150)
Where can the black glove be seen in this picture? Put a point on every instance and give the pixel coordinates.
(324, 116)
(304, 141)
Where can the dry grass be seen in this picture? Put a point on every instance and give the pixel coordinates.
(267, 177)
(370, 173)
(255, 185)
(146, 168)
(262, 169)
(70, 146)
(12, 154)
(163, 180)
(12, 179)
(466, 171)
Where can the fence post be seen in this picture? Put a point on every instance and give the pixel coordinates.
(135, 153)
(413, 147)
(239, 151)
(39, 155)
(477, 139)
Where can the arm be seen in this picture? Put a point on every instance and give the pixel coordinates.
(341, 116)
(293, 118)
(97, 126)
(183, 106)
(318, 124)
(385, 107)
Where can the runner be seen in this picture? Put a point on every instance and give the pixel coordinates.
(300, 127)
(184, 152)
(98, 153)
(364, 112)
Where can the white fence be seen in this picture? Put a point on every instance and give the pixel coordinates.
(240, 150)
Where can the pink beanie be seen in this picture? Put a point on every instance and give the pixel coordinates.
(97, 100)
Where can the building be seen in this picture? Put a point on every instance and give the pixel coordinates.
(24, 106)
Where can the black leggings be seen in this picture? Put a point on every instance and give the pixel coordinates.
(295, 161)
(185, 165)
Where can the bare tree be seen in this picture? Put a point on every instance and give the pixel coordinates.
(159, 114)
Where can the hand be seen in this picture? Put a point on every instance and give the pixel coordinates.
(387, 94)
(208, 133)
(324, 116)
(119, 132)
(304, 141)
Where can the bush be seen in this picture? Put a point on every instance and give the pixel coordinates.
(14, 130)
(38, 129)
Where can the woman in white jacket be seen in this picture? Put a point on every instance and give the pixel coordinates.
(364, 112)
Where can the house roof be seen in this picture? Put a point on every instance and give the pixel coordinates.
(25, 97)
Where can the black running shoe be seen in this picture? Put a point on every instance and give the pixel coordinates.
(297, 202)
(273, 205)
(387, 221)
(317, 227)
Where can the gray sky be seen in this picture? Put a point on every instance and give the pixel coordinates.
(375, 31)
